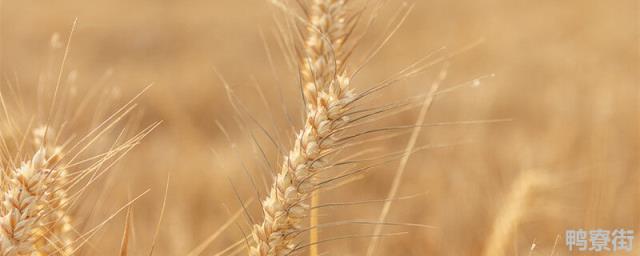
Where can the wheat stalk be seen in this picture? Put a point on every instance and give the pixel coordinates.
(512, 212)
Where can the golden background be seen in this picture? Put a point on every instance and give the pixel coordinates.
(566, 73)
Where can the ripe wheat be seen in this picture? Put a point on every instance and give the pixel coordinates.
(327, 98)
(29, 219)
(324, 50)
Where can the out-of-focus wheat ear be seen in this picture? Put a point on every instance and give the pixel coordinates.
(512, 211)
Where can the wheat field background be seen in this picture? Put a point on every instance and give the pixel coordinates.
(566, 74)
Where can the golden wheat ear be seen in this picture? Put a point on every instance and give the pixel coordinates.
(36, 201)
(284, 208)
(42, 182)
(57, 233)
(22, 201)
(324, 53)
(333, 120)
(327, 96)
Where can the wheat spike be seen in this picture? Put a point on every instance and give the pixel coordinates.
(55, 236)
(324, 58)
(327, 96)
(284, 208)
(33, 218)
(22, 201)
(324, 46)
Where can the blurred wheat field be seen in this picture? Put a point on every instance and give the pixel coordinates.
(566, 74)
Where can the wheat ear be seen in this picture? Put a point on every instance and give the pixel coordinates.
(33, 219)
(55, 236)
(324, 57)
(284, 208)
(23, 202)
(328, 27)
(327, 96)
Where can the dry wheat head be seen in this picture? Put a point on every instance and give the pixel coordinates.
(327, 96)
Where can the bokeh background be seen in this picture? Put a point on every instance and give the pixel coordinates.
(566, 72)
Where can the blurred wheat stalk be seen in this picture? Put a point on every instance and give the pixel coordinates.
(512, 211)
